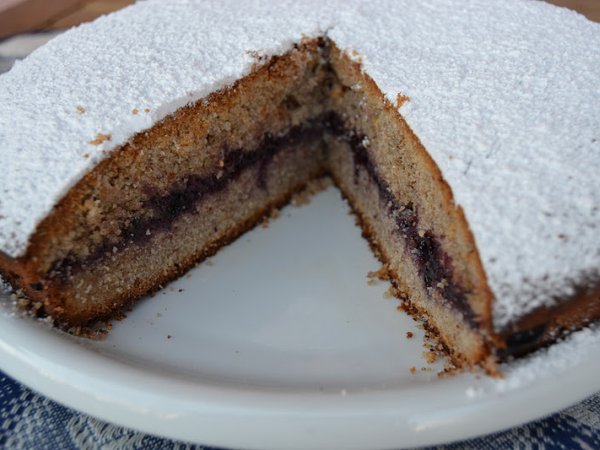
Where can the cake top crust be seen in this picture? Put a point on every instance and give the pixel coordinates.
(504, 95)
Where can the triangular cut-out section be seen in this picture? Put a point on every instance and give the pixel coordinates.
(288, 305)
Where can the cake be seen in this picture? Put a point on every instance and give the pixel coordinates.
(465, 136)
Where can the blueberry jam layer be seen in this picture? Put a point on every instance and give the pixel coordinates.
(168, 208)
(434, 265)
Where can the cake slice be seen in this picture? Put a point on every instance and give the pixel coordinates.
(434, 122)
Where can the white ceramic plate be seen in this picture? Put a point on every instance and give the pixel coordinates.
(279, 342)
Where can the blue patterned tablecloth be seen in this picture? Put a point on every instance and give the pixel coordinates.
(31, 421)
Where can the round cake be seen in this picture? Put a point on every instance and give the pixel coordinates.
(465, 136)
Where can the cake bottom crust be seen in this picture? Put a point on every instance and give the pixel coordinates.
(545, 325)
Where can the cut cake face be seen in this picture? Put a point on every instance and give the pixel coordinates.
(443, 126)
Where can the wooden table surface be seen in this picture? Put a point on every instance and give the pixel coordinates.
(18, 16)
(589, 8)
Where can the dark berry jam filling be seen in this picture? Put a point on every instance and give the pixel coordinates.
(434, 265)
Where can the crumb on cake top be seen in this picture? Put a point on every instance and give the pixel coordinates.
(503, 95)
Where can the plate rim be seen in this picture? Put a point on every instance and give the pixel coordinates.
(205, 413)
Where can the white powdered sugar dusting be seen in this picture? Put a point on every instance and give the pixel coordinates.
(503, 94)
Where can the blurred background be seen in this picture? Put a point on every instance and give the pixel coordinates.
(27, 24)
